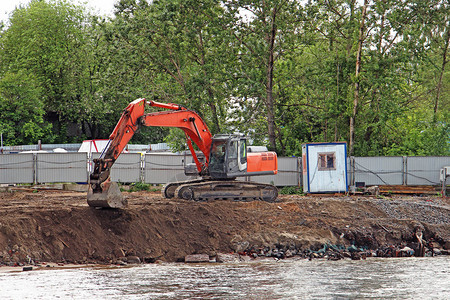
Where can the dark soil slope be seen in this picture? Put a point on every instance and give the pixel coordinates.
(59, 226)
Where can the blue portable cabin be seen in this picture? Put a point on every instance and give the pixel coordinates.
(324, 167)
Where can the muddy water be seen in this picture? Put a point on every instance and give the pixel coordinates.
(406, 278)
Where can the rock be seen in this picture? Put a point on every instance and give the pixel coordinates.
(447, 245)
(437, 251)
(196, 258)
(373, 190)
(352, 249)
(238, 244)
(27, 268)
(75, 187)
(407, 251)
(335, 256)
(288, 253)
(227, 257)
(133, 260)
(151, 260)
(244, 258)
(355, 256)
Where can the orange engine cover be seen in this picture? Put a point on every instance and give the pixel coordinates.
(262, 162)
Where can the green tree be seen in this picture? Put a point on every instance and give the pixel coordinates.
(264, 31)
(48, 40)
(315, 80)
(22, 111)
(395, 92)
(390, 88)
(280, 71)
(170, 51)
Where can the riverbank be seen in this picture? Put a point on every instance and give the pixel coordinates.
(58, 226)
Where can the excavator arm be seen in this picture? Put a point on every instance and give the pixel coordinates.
(102, 191)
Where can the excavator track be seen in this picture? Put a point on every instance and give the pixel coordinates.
(227, 190)
(168, 190)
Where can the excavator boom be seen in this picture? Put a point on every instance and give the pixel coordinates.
(102, 191)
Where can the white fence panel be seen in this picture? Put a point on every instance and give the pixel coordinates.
(425, 170)
(289, 170)
(127, 168)
(164, 168)
(16, 168)
(379, 170)
(61, 167)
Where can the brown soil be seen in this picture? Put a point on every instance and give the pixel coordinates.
(59, 226)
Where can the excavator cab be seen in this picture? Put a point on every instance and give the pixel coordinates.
(228, 157)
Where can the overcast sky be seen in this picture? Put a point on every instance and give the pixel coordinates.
(102, 7)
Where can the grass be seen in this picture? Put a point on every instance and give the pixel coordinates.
(140, 186)
(291, 190)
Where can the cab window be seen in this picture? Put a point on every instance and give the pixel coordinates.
(233, 153)
(242, 152)
(218, 155)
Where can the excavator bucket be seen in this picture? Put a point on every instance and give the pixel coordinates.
(110, 197)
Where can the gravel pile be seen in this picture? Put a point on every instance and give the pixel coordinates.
(422, 211)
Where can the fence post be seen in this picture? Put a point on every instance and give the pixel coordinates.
(444, 183)
(352, 171)
(35, 170)
(88, 167)
(142, 175)
(405, 170)
(300, 172)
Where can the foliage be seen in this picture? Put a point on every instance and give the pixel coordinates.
(48, 40)
(140, 186)
(22, 111)
(291, 190)
(264, 31)
(279, 71)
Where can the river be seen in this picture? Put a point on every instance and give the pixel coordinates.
(374, 278)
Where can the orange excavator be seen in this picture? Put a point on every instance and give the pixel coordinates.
(226, 157)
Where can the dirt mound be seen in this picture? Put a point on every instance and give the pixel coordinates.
(60, 227)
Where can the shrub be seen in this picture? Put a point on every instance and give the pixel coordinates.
(140, 186)
(291, 190)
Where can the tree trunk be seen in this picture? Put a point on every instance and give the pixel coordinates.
(282, 150)
(211, 103)
(213, 107)
(269, 84)
(439, 85)
(357, 86)
(349, 45)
